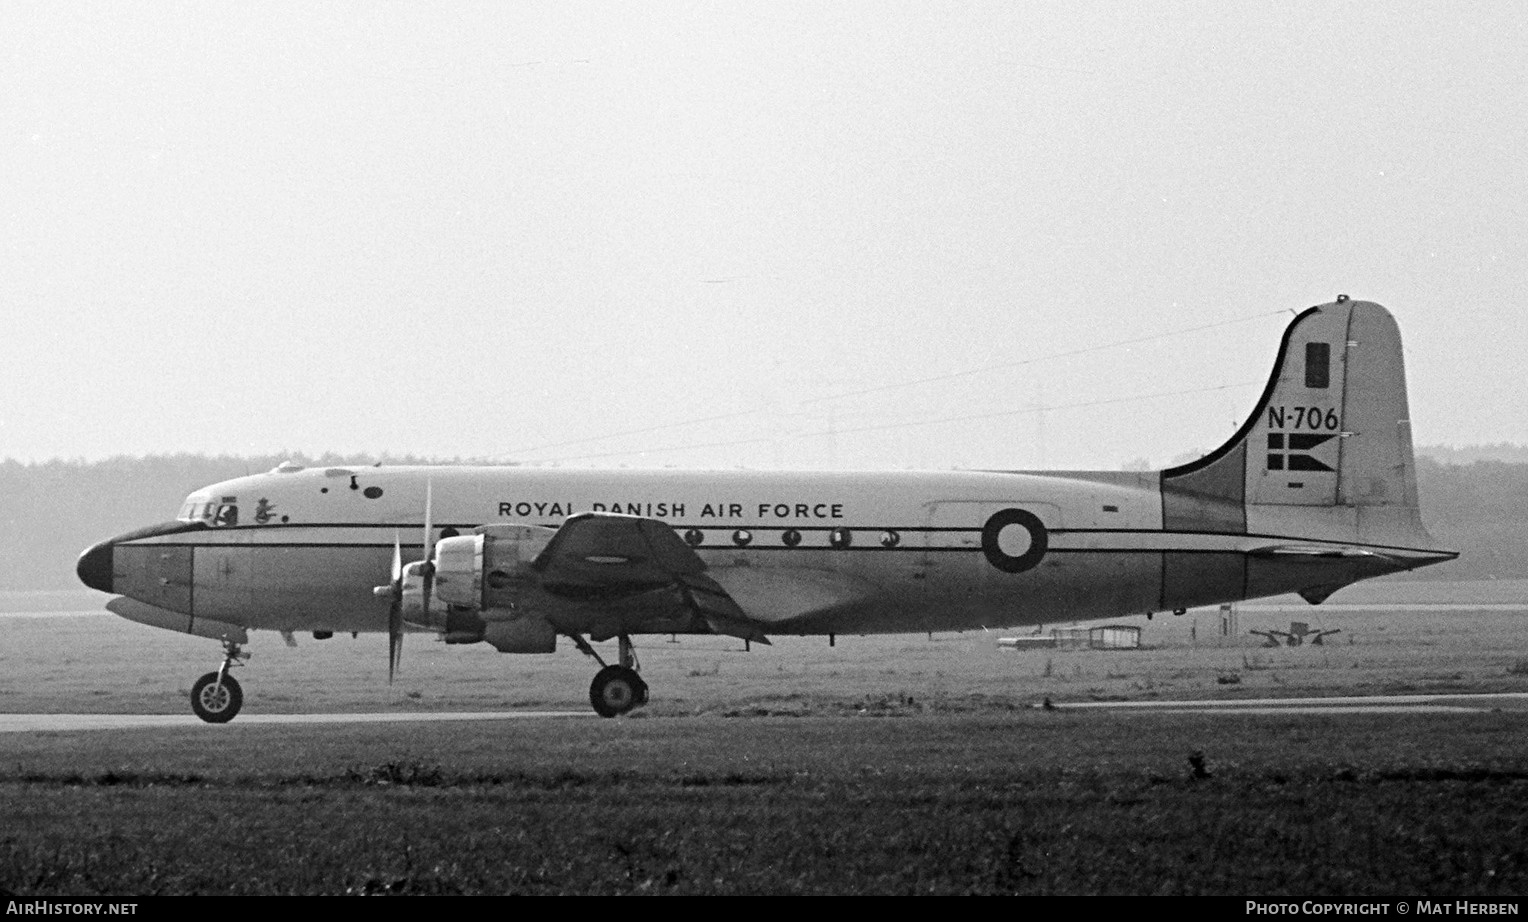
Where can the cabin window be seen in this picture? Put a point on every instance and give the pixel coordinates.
(1318, 365)
(227, 515)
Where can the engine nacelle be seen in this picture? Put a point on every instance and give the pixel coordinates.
(531, 634)
(490, 568)
(486, 583)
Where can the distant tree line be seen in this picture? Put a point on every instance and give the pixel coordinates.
(52, 510)
(1466, 454)
(1479, 509)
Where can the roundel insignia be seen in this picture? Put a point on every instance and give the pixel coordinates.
(1014, 540)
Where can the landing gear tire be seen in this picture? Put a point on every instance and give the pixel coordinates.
(216, 703)
(617, 690)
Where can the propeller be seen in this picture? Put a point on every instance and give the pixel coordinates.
(395, 613)
(398, 590)
(393, 592)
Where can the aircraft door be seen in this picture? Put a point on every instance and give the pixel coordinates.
(225, 578)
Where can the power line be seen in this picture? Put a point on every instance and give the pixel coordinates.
(1039, 409)
(644, 430)
(646, 451)
(1044, 358)
(920, 422)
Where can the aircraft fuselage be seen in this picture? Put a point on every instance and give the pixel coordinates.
(884, 552)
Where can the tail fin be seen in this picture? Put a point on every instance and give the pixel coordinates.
(1327, 452)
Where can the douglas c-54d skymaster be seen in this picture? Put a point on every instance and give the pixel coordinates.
(1316, 490)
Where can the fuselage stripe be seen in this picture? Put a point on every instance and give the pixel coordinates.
(768, 538)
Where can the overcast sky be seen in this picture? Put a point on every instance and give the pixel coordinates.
(516, 230)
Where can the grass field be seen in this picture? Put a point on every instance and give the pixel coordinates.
(901, 802)
(880, 765)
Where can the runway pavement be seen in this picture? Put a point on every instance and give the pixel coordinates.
(1367, 704)
(1393, 704)
(17, 723)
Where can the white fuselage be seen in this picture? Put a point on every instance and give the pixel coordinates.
(802, 552)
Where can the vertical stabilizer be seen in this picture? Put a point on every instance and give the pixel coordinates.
(1331, 432)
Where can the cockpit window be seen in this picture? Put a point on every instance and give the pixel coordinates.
(224, 514)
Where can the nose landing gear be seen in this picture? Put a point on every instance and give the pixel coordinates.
(216, 697)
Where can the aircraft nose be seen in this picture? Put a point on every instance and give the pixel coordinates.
(94, 567)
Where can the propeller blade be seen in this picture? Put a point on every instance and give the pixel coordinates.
(394, 654)
(428, 571)
(396, 589)
(429, 490)
(395, 612)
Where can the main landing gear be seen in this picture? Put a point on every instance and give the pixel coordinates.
(216, 697)
(618, 689)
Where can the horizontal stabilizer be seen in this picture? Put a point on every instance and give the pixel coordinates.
(1397, 558)
(1312, 551)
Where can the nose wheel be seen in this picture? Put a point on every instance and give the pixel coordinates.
(214, 701)
(216, 697)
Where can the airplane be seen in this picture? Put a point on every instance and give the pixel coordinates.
(1316, 490)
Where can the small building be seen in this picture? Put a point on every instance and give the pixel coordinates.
(1115, 637)
(1108, 637)
(1028, 642)
(1072, 638)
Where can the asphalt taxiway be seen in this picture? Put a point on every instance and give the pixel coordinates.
(1390, 704)
(19, 723)
(1359, 704)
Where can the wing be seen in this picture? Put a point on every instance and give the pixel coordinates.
(639, 569)
(636, 567)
